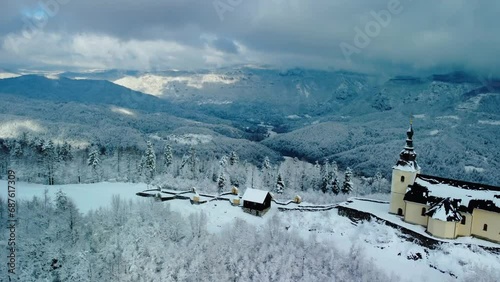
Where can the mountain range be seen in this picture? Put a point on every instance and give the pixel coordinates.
(358, 120)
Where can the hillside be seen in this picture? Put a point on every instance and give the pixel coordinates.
(356, 119)
(321, 245)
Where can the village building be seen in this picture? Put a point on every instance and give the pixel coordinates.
(448, 208)
(256, 201)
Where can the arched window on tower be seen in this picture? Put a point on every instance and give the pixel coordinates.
(423, 211)
(402, 178)
(464, 220)
(485, 227)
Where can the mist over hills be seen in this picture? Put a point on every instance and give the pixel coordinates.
(356, 119)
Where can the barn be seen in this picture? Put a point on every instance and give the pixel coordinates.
(256, 201)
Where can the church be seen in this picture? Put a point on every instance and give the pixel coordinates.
(448, 208)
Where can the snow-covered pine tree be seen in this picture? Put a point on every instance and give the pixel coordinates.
(315, 176)
(325, 183)
(377, 182)
(268, 178)
(280, 184)
(193, 161)
(168, 157)
(326, 177)
(50, 160)
(233, 158)
(335, 186)
(149, 162)
(266, 164)
(64, 152)
(221, 182)
(18, 151)
(223, 161)
(94, 162)
(347, 187)
(334, 168)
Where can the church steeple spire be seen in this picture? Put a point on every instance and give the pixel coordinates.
(407, 157)
(409, 138)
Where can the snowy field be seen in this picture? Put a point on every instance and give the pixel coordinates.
(383, 245)
(86, 196)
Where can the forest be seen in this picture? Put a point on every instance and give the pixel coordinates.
(42, 161)
(145, 241)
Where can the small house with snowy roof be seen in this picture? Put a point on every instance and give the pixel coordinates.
(448, 208)
(256, 201)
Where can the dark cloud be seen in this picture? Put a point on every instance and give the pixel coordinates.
(396, 36)
(225, 45)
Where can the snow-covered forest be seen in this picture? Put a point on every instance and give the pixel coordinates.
(42, 161)
(147, 241)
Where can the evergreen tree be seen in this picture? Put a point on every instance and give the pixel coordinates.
(326, 177)
(280, 184)
(377, 182)
(334, 168)
(327, 183)
(94, 162)
(347, 187)
(167, 156)
(149, 161)
(221, 182)
(64, 152)
(223, 161)
(268, 179)
(266, 164)
(18, 151)
(315, 176)
(233, 159)
(192, 161)
(335, 186)
(50, 159)
(61, 201)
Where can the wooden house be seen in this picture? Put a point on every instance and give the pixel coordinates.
(256, 201)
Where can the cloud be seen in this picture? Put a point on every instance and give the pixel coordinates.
(225, 45)
(425, 36)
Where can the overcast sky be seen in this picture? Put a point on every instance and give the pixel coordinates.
(420, 36)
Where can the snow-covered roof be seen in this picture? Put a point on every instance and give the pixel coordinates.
(432, 189)
(445, 210)
(255, 195)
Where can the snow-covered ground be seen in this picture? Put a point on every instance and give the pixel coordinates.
(434, 132)
(190, 139)
(384, 245)
(158, 85)
(86, 196)
(490, 122)
(471, 168)
(4, 75)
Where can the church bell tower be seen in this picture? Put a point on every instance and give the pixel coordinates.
(403, 174)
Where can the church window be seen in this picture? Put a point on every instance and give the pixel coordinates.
(402, 178)
(485, 227)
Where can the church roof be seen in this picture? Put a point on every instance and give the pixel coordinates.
(432, 190)
(445, 210)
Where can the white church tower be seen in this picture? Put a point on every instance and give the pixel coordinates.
(403, 174)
